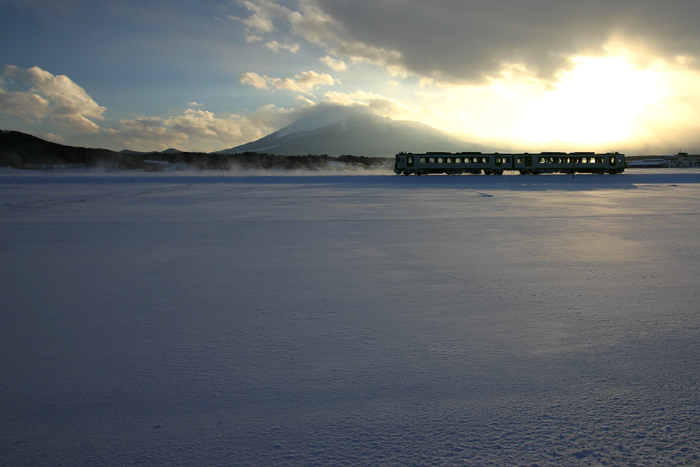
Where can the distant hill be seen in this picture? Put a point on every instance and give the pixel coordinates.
(23, 151)
(342, 130)
(166, 151)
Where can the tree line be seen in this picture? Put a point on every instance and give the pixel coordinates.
(23, 151)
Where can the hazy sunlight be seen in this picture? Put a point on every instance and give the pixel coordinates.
(595, 103)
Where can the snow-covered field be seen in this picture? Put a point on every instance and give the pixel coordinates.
(209, 319)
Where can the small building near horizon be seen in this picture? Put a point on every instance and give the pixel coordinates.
(682, 159)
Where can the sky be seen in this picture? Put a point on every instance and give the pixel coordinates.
(602, 75)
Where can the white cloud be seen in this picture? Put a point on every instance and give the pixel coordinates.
(381, 105)
(253, 38)
(335, 64)
(28, 106)
(202, 130)
(254, 79)
(304, 82)
(314, 25)
(193, 127)
(369, 99)
(255, 22)
(54, 138)
(46, 97)
(276, 47)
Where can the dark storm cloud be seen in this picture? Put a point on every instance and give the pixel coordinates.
(461, 40)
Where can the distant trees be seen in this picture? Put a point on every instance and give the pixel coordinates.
(23, 151)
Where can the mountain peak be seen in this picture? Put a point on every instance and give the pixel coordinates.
(321, 116)
(338, 130)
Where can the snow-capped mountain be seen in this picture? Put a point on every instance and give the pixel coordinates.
(342, 130)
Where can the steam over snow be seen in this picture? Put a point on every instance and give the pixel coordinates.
(184, 319)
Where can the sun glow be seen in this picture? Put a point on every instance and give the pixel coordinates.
(597, 102)
(603, 103)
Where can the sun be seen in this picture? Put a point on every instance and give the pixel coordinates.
(600, 104)
(596, 102)
(625, 101)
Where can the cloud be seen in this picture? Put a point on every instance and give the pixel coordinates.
(467, 42)
(304, 82)
(46, 97)
(276, 47)
(199, 129)
(255, 80)
(255, 21)
(192, 127)
(381, 105)
(336, 65)
(202, 130)
(35, 95)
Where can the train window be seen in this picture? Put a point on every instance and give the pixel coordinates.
(521, 160)
(410, 160)
(422, 160)
(541, 160)
(598, 160)
(432, 160)
(441, 160)
(498, 159)
(449, 160)
(612, 160)
(506, 160)
(458, 160)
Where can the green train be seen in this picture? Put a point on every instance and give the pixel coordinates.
(496, 163)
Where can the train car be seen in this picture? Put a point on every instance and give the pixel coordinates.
(496, 163)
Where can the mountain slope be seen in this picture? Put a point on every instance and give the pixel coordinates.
(343, 131)
(19, 149)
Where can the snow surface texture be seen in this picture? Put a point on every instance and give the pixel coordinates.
(201, 319)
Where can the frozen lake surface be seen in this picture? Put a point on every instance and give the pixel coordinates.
(209, 319)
